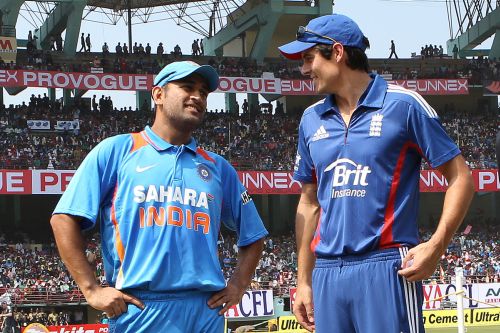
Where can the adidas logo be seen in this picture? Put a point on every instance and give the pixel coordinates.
(320, 134)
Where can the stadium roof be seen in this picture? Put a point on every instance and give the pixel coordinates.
(123, 4)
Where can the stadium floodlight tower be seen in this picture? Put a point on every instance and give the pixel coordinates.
(471, 22)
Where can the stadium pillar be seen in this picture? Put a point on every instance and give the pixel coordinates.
(67, 98)
(231, 103)
(73, 29)
(253, 102)
(17, 210)
(10, 11)
(495, 47)
(143, 99)
(52, 94)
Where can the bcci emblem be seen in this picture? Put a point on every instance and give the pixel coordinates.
(204, 173)
(36, 328)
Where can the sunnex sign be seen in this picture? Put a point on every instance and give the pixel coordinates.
(257, 85)
(254, 303)
(257, 182)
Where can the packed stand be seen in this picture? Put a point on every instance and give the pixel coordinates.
(29, 269)
(33, 272)
(143, 58)
(254, 139)
(476, 250)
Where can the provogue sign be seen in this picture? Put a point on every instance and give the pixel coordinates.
(257, 182)
(113, 81)
(254, 303)
(73, 80)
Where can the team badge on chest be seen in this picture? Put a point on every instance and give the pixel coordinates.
(204, 172)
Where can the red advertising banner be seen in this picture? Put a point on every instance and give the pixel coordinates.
(83, 328)
(435, 86)
(257, 182)
(113, 81)
(73, 80)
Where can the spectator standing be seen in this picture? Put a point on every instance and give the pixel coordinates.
(393, 50)
(105, 49)
(159, 49)
(82, 42)
(118, 49)
(87, 41)
(455, 51)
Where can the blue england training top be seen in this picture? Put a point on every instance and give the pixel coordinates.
(368, 172)
(160, 208)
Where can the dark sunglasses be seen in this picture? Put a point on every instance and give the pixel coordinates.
(301, 31)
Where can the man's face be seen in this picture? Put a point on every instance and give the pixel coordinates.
(324, 72)
(182, 104)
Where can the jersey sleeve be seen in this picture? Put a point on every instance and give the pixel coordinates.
(238, 210)
(425, 130)
(303, 169)
(94, 181)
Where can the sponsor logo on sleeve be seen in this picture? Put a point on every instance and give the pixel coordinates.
(245, 197)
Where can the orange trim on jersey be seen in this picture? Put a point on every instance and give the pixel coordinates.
(138, 141)
(120, 249)
(386, 236)
(205, 155)
(317, 235)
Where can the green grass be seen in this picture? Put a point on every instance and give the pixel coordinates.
(477, 329)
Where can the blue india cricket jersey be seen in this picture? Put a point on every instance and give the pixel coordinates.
(160, 208)
(368, 172)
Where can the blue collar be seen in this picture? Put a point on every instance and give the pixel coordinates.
(159, 144)
(373, 97)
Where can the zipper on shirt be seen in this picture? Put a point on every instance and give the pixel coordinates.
(347, 126)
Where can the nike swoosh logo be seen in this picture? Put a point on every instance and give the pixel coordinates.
(139, 169)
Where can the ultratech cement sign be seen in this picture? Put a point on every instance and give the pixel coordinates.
(472, 317)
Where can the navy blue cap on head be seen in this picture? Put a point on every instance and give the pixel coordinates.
(325, 30)
(181, 69)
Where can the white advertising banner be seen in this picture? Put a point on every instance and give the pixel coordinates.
(67, 125)
(482, 292)
(254, 303)
(38, 124)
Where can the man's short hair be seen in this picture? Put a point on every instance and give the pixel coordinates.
(356, 58)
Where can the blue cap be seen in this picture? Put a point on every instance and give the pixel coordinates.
(319, 31)
(181, 69)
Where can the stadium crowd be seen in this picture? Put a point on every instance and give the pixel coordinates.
(33, 272)
(252, 140)
(141, 60)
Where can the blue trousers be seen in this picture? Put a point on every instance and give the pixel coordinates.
(365, 294)
(175, 312)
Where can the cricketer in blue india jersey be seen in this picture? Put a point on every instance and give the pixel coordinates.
(358, 159)
(160, 201)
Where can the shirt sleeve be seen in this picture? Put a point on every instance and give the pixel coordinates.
(303, 169)
(238, 210)
(92, 183)
(425, 130)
